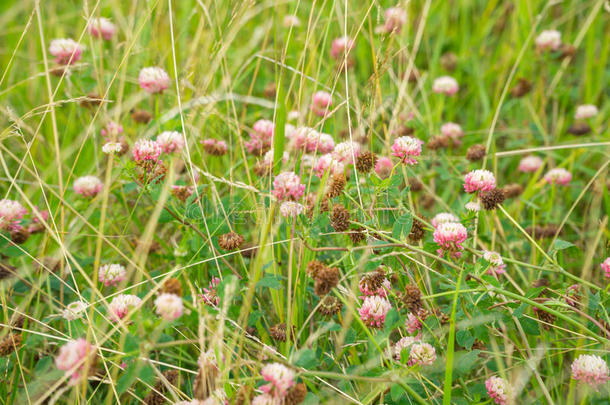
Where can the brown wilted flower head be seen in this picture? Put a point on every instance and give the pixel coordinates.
(249, 250)
(413, 75)
(547, 231)
(141, 116)
(475, 152)
(541, 282)
(20, 235)
(58, 71)
(365, 162)
(479, 345)
(439, 142)
(427, 201)
(296, 394)
(534, 231)
(10, 343)
(579, 128)
(412, 298)
(442, 317)
(230, 241)
(573, 296)
(311, 201)
(415, 184)
(314, 267)
(417, 231)
(124, 147)
(204, 383)
(402, 130)
(261, 169)
(48, 264)
(567, 51)
(244, 395)
(182, 193)
(394, 279)
(449, 61)
(373, 281)
(356, 234)
(491, 199)
(512, 190)
(339, 218)
(214, 147)
(157, 395)
(153, 245)
(547, 318)
(522, 87)
(172, 286)
(152, 171)
(17, 321)
(325, 280)
(91, 100)
(330, 305)
(278, 332)
(6, 270)
(336, 185)
(269, 90)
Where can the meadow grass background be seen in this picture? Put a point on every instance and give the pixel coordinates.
(220, 56)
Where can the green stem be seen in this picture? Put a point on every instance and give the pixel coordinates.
(451, 344)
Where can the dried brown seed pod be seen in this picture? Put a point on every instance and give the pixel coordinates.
(230, 241)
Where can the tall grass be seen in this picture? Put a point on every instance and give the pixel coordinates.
(221, 57)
